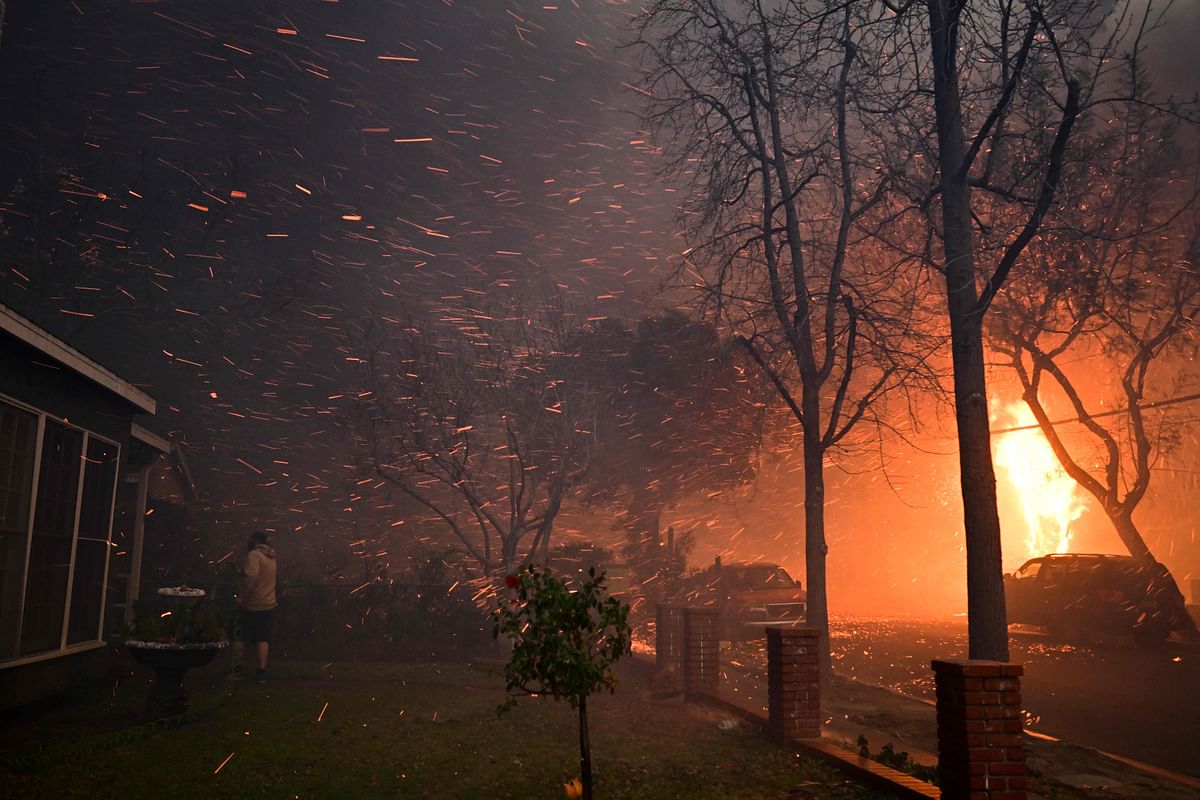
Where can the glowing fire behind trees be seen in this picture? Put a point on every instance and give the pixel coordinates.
(1049, 499)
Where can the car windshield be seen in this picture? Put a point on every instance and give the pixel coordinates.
(758, 577)
(1030, 570)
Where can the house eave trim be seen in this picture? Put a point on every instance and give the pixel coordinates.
(24, 330)
(148, 437)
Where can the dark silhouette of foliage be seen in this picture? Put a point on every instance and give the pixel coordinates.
(566, 638)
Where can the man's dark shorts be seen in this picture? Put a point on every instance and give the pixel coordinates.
(258, 626)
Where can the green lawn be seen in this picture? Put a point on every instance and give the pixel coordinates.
(401, 731)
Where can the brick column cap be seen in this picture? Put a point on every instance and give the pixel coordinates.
(978, 668)
(702, 611)
(791, 632)
(671, 606)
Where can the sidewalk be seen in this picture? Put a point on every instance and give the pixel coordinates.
(1057, 769)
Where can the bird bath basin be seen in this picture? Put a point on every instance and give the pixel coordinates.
(186, 636)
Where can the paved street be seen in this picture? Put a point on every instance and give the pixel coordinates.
(1140, 704)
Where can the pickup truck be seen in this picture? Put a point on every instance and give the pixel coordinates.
(750, 595)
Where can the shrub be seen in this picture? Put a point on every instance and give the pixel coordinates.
(566, 638)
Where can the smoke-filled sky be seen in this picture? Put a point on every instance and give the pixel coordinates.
(220, 196)
(249, 181)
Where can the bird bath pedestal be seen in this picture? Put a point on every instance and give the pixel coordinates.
(170, 662)
(173, 654)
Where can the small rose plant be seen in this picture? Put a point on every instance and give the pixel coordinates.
(566, 635)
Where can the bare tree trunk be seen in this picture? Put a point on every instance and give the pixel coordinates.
(986, 617)
(1131, 537)
(815, 546)
(1166, 590)
(585, 751)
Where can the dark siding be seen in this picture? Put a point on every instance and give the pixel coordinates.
(34, 379)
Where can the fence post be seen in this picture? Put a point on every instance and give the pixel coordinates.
(794, 682)
(701, 650)
(981, 753)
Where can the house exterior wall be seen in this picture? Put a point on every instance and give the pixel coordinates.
(29, 377)
(28, 683)
(33, 382)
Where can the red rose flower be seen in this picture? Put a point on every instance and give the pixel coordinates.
(511, 581)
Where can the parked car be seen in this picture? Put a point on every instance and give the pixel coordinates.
(750, 595)
(1087, 596)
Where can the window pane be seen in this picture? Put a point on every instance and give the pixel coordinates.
(86, 591)
(95, 515)
(53, 527)
(100, 471)
(18, 438)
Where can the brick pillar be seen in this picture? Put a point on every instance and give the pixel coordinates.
(793, 682)
(668, 638)
(981, 753)
(701, 650)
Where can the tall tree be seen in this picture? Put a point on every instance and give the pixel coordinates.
(678, 413)
(462, 414)
(777, 117)
(1010, 79)
(1116, 287)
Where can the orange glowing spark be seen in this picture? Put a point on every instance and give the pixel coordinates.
(183, 24)
(248, 465)
(322, 714)
(287, 31)
(415, 139)
(237, 194)
(221, 766)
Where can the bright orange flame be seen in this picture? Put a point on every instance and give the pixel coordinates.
(1050, 500)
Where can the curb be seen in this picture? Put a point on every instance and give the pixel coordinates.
(852, 765)
(1149, 769)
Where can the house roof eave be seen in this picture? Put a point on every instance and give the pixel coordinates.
(22, 329)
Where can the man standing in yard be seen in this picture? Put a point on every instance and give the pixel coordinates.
(257, 599)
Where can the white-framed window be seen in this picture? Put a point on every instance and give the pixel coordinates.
(57, 490)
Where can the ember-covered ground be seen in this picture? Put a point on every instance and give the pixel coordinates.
(369, 730)
(1134, 702)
